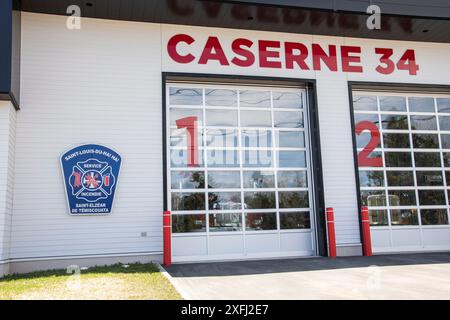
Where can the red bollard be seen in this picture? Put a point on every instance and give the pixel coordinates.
(331, 233)
(167, 239)
(367, 241)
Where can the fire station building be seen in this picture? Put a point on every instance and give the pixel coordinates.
(244, 119)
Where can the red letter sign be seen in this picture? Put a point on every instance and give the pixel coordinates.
(172, 48)
(190, 123)
(363, 157)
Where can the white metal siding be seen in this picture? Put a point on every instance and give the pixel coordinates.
(100, 84)
(7, 137)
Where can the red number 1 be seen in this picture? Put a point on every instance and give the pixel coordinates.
(363, 157)
(190, 123)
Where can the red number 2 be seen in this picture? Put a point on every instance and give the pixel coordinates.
(190, 123)
(363, 157)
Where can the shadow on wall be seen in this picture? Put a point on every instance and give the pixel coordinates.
(302, 264)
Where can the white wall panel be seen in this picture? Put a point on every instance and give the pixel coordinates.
(100, 84)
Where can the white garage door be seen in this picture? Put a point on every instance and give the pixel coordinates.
(238, 172)
(403, 143)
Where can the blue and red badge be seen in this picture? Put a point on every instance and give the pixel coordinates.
(90, 174)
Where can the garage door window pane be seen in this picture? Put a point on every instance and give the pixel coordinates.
(398, 159)
(394, 122)
(254, 99)
(443, 105)
(393, 103)
(188, 223)
(290, 139)
(259, 200)
(221, 97)
(293, 199)
(260, 221)
(425, 141)
(400, 178)
(187, 180)
(178, 138)
(419, 104)
(292, 179)
(404, 217)
(371, 178)
(224, 179)
(178, 113)
(179, 159)
(259, 179)
(396, 140)
(256, 118)
(444, 123)
(291, 100)
(295, 220)
(423, 123)
(224, 200)
(431, 197)
(256, 138)
(288, 119)
(188, 201)
(402, 198)
(220, 222)
(434, 216)
(427, 159)
(186, 96)
(429, 178)
(257, 158)
(292, 159)
(365, 103)
(221, 118)
(378, 217)
(222, 138)
(373, 198)
(222, 158)
(445, 139)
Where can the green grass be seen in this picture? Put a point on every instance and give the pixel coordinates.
(118, 282)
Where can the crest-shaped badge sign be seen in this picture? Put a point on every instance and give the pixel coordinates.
(91, 173)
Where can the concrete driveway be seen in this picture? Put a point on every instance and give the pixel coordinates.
(406, 276)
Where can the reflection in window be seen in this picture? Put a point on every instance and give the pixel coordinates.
(394, 122)
(221, 118)
(256, 138)
(253, 98)
(402, 198)
(363, 139)
(179, 158)
(221, 97)
(443, 105)
(224, 200)
(178, 113)
(396, 140)
(291, 159)
(220, 222)
(373, 198)
(434, 216)
(257, 158)
(429, 178)
(285, 119)
(187, 180)
(366, 117)
(259, 179)
(290, 139)
(419, 104)
(400, 178)
(287, 100)
(446, 156)
(292, 179)
(371, 178)
(260, 221)
(185, 96)
(222, 138)
(427, 159)
(431, 197)
(293, 199)
(445, 139)
(188, 201)
(444, 123)
(398, 159)
(295, 220)
(259, 200)
(224, 179)
(378, 217)
(423, 123)
(365, 103)
(393, 104)
(188, 223)
(256, 118)
(222, 158)
(425, 141)
(404, 217)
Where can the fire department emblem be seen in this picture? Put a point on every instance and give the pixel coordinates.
(90, 176)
